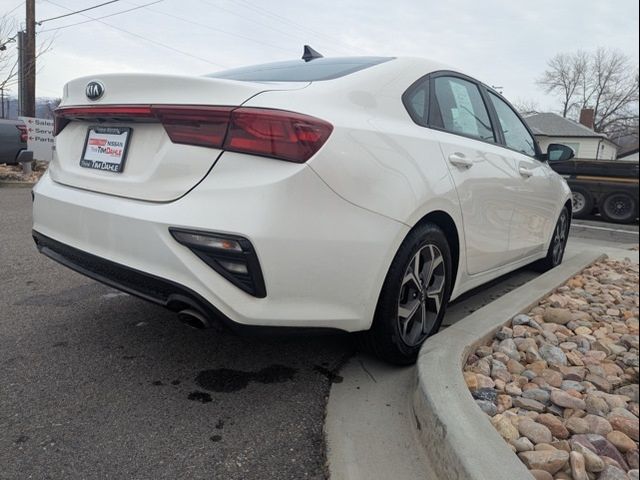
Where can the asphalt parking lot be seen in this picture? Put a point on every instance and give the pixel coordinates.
(98, 384)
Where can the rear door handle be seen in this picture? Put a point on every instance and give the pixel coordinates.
(460, 160)
(525, 172)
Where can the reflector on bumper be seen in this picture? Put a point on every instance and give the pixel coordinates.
(231, 256)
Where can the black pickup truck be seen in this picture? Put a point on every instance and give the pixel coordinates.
(611, 187)
(13, 141)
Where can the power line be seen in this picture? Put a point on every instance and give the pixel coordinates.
(219, 30)
(146, 39)
(100, 18)
(13, 9)
(296, 36)
(304, 28)
(76, 11)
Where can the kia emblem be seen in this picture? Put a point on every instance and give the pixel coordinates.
(94, 90)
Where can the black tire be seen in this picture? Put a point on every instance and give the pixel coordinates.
(558, 244)
(618, 207)
(387, 339)
(582, 202)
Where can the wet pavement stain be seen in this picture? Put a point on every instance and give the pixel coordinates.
(22, 439)
(157, 383)
(202, 397)
(60, 344)
(215, 438)
(175, 382)
(220, 424)
(332, 375)
(226, 380)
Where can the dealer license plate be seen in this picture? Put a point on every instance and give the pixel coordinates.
(106, 148)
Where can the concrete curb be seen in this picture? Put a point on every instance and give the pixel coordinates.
(9, 184)
(457, 436)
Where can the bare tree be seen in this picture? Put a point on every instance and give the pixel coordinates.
(9, 56)
(605, 80)
(564, 77)
(526, 107)
(611, 89)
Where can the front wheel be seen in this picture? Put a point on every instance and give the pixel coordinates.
(414, 297)
(618, 207)
(558, 244)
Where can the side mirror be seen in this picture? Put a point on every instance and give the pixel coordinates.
(557, 152)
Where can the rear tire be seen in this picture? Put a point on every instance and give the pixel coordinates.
(558, 244)
(618, 207)
(413, 299)
(581, 202)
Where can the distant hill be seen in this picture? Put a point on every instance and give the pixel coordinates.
(44, 107)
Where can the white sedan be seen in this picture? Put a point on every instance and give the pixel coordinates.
(360, 194)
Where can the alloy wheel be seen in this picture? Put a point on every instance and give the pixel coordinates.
(421, 295)
(560, 238)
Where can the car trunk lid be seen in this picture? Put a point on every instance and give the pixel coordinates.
(147, 137)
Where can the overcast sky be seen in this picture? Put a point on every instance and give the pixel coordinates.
(504, 43)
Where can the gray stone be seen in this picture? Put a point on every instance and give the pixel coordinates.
(522, 444)
(488, 394)
(528, 404)
(553, 355)
(612, 473)
(572, 385)
(537, 394)
(487, 407)
(631, 391)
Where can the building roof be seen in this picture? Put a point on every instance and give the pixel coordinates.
(628, 153)
(554, 125)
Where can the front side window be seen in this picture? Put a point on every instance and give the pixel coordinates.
(460, 109)
(516, 135)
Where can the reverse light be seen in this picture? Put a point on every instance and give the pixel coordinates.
(231, 256)
(207, 241)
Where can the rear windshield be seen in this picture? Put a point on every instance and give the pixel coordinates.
(301, 71)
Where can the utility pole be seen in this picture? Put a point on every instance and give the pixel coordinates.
(29, 58)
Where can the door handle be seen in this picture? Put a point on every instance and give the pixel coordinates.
(525, 172)
(460, 160)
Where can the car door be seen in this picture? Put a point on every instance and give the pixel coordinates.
(483, 172)
(534, 198)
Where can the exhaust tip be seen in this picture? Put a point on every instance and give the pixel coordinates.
(193, 319)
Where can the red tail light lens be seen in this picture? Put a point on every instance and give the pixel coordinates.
(23, 133)
(128, 113)
(203, 126)
(258, 131)
(275, 133)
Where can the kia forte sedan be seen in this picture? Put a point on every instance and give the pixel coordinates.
(360, 194)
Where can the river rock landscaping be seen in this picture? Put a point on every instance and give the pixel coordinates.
(560, 382)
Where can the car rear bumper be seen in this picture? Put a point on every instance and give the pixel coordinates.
(323, 259)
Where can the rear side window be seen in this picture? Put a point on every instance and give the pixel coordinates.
(301, 71)
(460, 109)
(416, 101)
(516, 135)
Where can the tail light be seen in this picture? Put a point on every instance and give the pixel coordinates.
(258, 131)
(23, 133)
(276, 133)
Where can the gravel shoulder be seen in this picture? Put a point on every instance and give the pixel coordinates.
(560, 383)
